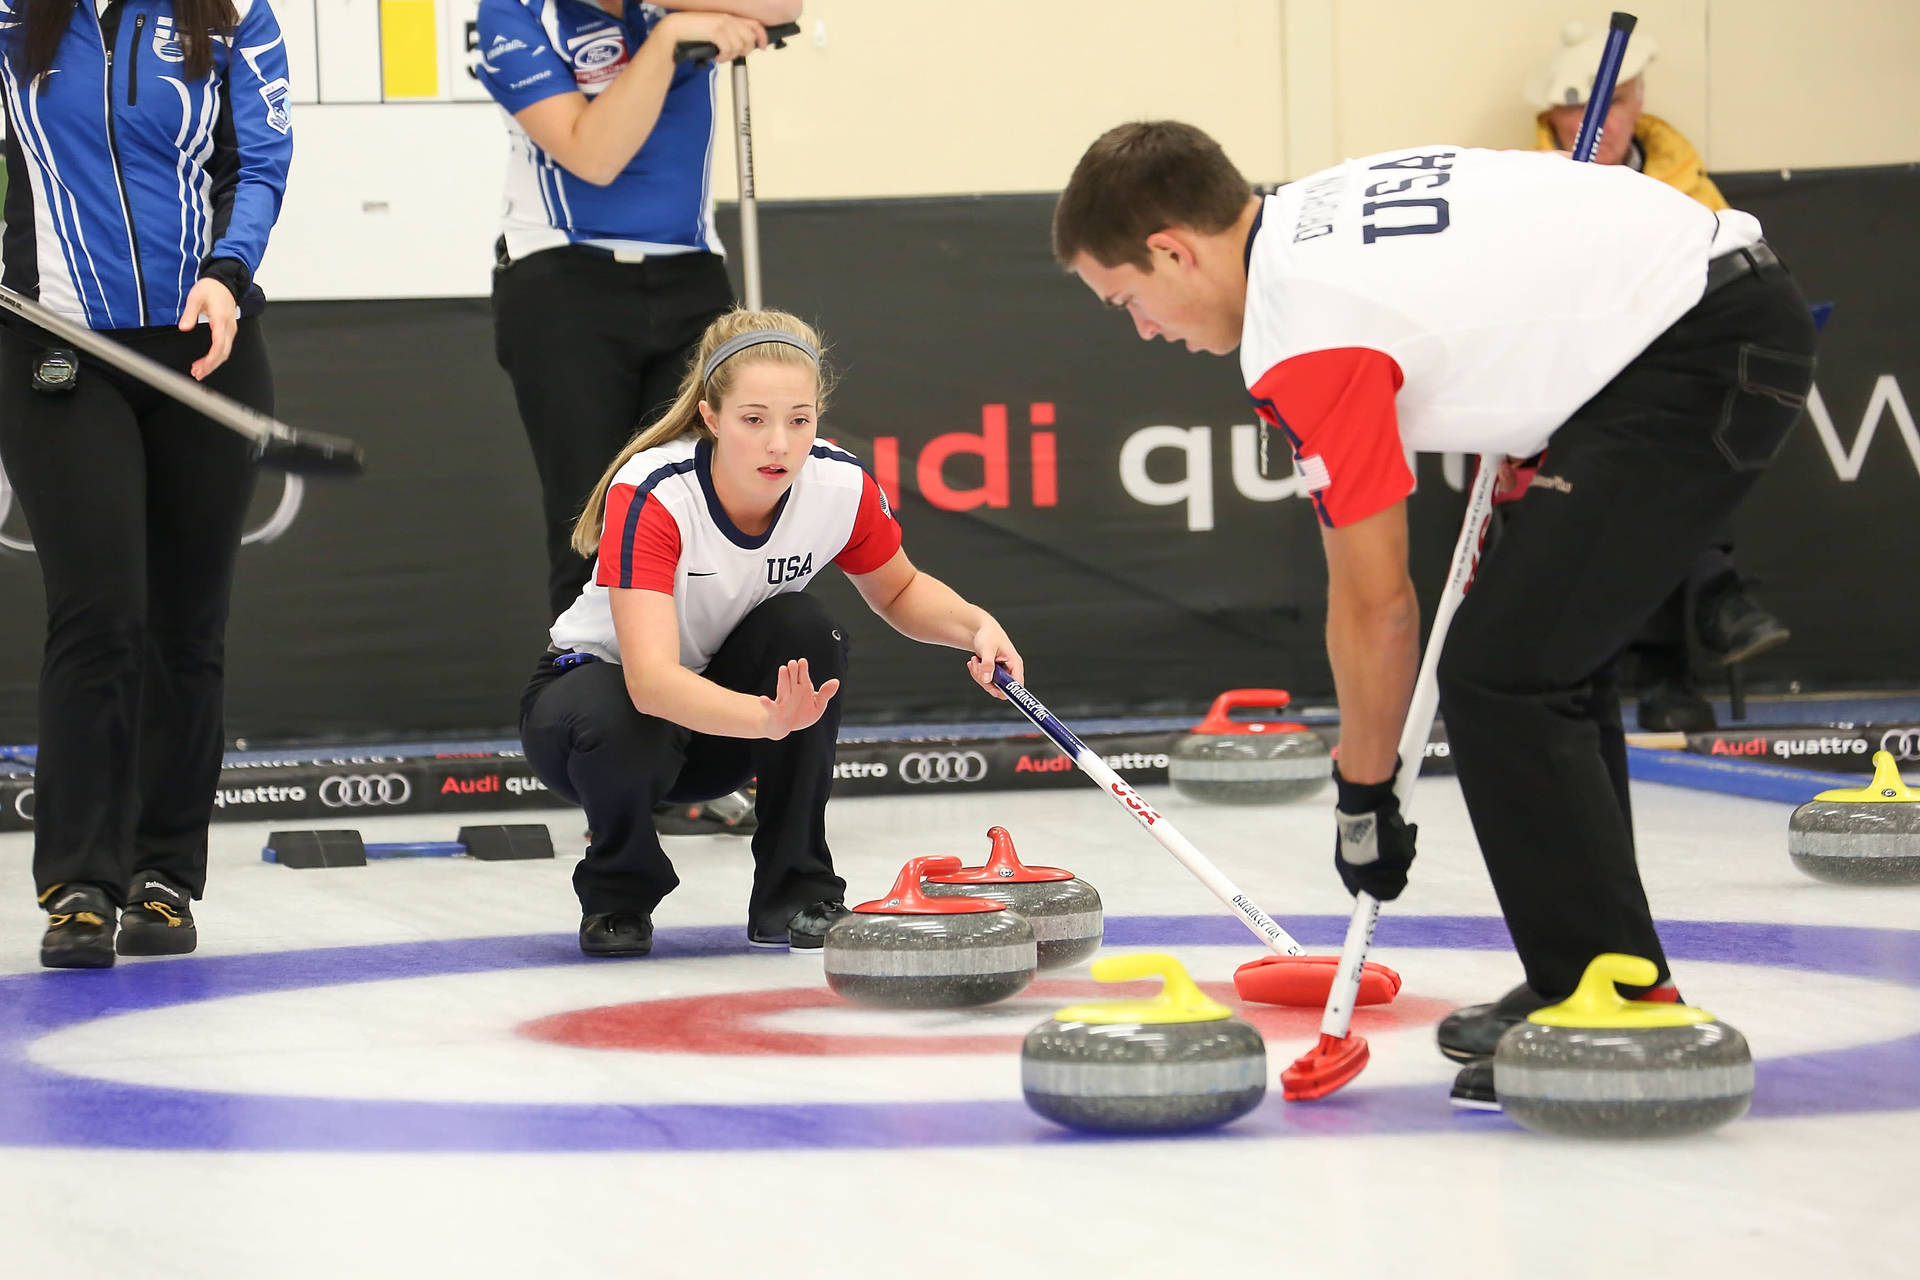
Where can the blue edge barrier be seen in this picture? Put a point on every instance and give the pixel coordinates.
(1736, 777)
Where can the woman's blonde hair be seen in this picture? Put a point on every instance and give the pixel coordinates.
(683, 418)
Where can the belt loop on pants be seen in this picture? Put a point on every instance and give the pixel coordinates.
(1730, 266)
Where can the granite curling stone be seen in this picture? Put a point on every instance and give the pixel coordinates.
(1228, 761)
(1175, 1063)
(909, 951)
(1064, 911)
(1599, 1066)
(1865, 836)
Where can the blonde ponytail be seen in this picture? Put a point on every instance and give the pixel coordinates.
(683, 417)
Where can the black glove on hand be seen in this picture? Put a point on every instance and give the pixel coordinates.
(1374, 848)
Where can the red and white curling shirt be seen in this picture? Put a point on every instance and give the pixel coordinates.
(1452, 299)
(665, 530)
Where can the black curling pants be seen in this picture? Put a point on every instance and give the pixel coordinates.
(136, 505)
(595, 349)
(1633, 488)
(588, 743)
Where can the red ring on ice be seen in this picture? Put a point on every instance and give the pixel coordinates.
(729, 1023)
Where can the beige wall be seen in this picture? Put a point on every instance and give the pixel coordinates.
(908, 97)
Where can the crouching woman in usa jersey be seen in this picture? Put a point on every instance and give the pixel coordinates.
(694, 660)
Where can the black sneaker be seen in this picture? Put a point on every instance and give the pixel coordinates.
(1473, 1087)
(616, 933)
(158, 920)
(1732, 625)
(729, 815)
(1672, 706)
(79, 927)
(1470, 1034)
(805, 931)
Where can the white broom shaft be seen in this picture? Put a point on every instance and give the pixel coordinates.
(1413, 742)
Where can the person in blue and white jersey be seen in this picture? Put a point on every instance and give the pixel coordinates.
(689, 662)
(608, 267)
(147, 150)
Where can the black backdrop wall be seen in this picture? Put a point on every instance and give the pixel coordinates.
(1095, 492)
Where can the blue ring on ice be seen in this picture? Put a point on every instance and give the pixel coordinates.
(43, 1107)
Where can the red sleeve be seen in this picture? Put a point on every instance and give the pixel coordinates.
(639, 543)
(875, 536)
(1336, 408)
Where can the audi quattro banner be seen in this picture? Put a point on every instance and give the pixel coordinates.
(259, 787)
(1097, 493)
(1843, 749)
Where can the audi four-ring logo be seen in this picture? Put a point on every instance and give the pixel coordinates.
(1902, 744)
(918, 767)
(364, 791)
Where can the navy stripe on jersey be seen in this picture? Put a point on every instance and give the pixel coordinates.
(1295, 443)
(838, 454)
(703, 468)
(640, 493)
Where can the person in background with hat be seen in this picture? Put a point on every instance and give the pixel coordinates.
(1730, 625)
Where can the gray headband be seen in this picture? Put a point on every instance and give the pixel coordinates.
(753, 338)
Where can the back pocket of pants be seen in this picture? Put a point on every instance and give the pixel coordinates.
(1770, 391)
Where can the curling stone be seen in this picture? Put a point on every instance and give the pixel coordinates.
(1179, 1061)
(1868, 836)
(1598, 1066)
(1228, 761)
(909, 951)
(1064, 911)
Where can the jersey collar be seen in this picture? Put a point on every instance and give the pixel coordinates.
(703, 468)
(1259, 215)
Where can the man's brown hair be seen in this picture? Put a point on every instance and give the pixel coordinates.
(1137, 179)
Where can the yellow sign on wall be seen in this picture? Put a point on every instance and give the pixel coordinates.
(409, 49)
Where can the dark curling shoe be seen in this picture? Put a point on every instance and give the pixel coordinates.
(1733, 625)
(1473, 1088)
(616, 933)
(158, 920)
(79, 927)
(1470, 1034)
(1673, 706)
(806, 930)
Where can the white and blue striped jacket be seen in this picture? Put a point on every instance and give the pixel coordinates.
(124, 179)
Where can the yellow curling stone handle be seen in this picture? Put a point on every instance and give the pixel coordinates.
(1596, 1005)
(1886, 787)
(1179, 999)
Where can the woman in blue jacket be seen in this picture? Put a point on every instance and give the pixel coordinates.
(147, 151)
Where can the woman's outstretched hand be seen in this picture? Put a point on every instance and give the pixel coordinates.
(796, 704)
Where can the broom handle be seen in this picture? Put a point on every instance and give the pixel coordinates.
(1263, 925)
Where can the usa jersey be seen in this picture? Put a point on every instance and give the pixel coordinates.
(665, 530)
(124, 177)
(1452, 299)
(662, 202)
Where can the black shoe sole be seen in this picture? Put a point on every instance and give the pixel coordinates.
(617, 951)
(1473, 1095)
(169, 940)
(77, 958)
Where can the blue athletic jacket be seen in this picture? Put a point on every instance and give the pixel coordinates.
(662, 202)
(124, 180)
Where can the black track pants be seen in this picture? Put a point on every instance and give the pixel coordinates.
(1634, 487)
(595, 348)
(136, 506)
(587, 742)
